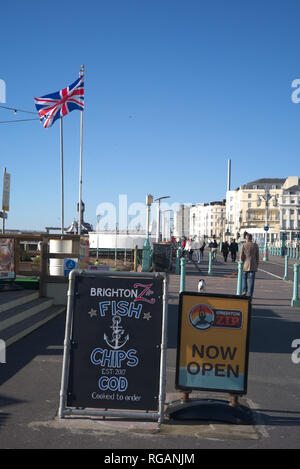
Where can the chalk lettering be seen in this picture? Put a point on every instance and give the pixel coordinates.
(121, 308)
(113, 358)
(112, 384)
(146, 291)
(113, 292)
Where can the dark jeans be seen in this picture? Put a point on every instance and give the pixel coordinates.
(251, 276)
(225, 255)
(233, 256)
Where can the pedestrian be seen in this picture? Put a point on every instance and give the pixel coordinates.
(233, 248)
(192, 249)
(202, 250)
(214, 248)
(225, 250)
(197, 249)
(250, 257)
(182, 244)
(188, 250)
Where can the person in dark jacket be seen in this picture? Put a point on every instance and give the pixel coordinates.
(225, 250)
(214, 247)
(202, 250)
(233, 248)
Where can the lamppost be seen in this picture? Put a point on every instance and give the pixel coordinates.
(149, 200)
(158, 216)
(267, 197)
(146, 248)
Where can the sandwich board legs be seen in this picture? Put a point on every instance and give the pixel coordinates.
(209, 409)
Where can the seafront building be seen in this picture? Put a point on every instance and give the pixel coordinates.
(265, 207)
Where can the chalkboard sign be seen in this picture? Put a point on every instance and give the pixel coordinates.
(115, 344)
(162, 257)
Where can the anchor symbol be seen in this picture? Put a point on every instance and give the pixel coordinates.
(117, 333)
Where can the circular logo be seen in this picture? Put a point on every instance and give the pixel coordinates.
(5, 255)
(202, 317)
(70, 264)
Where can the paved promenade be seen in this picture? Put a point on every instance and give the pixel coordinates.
(30, 380)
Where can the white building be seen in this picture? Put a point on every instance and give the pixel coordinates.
(208, 220)
(118, 240)
(247, 209)
(289, 204)
(182, 221)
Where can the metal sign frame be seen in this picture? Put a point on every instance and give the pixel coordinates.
(64, 409)
(203, 297)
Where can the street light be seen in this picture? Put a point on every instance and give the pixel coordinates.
(146, 248)
(267, 197)
(158, 216)
(149, 200)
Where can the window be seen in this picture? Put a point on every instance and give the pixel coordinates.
(249, 205)
(249, 196)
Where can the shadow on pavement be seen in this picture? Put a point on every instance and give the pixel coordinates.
(4, 402)
(270, 333)
(36, 343)
(172, 325)
(283, 418)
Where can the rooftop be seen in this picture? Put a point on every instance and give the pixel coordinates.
(295, 188)
(263, 182)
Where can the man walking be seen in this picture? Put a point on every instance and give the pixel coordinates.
(233, 248)
(214, 248)
(225, 250)
(250, 257)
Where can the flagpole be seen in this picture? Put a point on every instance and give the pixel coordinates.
(81, 73)
(62, 174)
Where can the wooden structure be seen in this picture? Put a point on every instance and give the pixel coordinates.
(42, 242)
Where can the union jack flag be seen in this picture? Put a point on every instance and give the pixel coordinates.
(55, 105)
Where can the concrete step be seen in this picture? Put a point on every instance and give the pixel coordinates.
(11, 299)
(23, 311)
(17, 314)
(20, 329)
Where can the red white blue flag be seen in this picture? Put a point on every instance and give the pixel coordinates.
(55, 105)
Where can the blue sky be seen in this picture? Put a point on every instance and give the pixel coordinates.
(172, 90)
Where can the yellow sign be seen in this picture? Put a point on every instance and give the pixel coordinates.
(213, 337)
